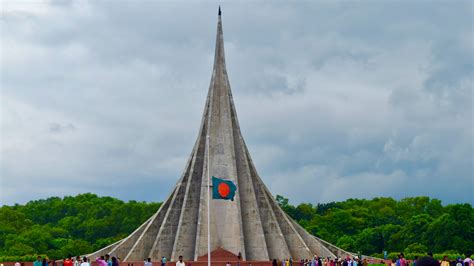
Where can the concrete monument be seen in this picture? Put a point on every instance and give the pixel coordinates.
(253, 225)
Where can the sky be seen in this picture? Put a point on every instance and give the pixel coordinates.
(335, 99)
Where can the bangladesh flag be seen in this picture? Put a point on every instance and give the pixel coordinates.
(223, 189)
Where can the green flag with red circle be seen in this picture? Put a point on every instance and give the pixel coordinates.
(223, 189)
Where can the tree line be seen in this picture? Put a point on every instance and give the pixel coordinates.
(75, 225)
(410, 225)
(84, 223)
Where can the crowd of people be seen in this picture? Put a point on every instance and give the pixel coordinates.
(77, 261)
(428, 260)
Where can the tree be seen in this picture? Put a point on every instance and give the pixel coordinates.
(86, 222)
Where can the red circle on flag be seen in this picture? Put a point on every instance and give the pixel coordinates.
(223, 189)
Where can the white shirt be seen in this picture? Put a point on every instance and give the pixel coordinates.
(148, 263)
(85, 264)
(179, 263)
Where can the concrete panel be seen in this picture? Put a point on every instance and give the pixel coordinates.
(184, 244)
(142, 247)
(201, 232)
(164, 241)
(336, 250)
(102, 251)
(254, 238)
(298, 248)
(121, 250)
(316, 247)
(276, 243)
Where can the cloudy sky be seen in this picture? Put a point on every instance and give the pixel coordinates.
(335, 99)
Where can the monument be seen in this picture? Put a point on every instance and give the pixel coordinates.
(252, 226)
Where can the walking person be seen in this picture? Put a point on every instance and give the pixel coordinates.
(114, 261)
(100, 260)
(148, 262)
(38, 261)
(85, 262)
(180, 261)
(445, 261)
(68, 261)
(403, 261)
(108, 260)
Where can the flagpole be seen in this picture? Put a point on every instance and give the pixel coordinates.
(208, 207)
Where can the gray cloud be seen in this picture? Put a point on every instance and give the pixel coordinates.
(344, 99)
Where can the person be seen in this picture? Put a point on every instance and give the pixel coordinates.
(227, 264)
(180, 261)
(403, 261)
(38, 261)
(452, 263)
(467, 261)
(163, 261)
(346, 262)
(108, 260)
(416, 258)
(68, 261)
(427, 261)
(114, 261)
(101, 261)
(148, 262)
(274, 262)
(85, 262)
(394, 262)
(445, 261)
(45, 262)
(17, 263)
(77, 261)
(366, 263)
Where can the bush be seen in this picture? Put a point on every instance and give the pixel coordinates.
(21, 258)
(451, 256)
(411, 256)
(416, 248)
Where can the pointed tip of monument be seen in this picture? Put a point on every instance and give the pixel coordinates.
(219, 13)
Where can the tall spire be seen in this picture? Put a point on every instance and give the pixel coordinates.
(219, 13)
(253, 225)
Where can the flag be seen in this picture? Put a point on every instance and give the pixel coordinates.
(223, 189)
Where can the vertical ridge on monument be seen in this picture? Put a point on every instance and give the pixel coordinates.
(252, 225)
